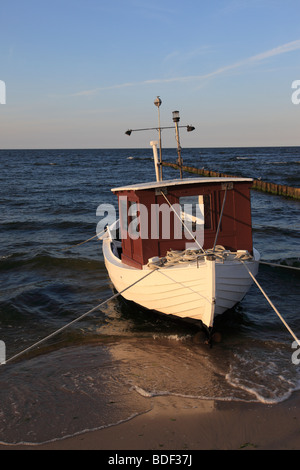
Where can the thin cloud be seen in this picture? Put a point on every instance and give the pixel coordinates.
(94, 91)
(289, 47)
(283, 49)
(184, 56)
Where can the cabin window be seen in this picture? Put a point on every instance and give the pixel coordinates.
(196, 211)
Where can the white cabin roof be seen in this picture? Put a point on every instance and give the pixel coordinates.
(178, 182)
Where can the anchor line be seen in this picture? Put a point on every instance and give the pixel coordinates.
(81, 243)
(279, 265)
(271, 303)
(43, 340)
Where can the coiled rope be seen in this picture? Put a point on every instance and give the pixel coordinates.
(174, 257)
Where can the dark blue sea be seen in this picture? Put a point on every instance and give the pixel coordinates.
(108, 367)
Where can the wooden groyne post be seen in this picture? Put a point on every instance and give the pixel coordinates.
(271, 188)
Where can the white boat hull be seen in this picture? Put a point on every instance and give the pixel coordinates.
(198, 291)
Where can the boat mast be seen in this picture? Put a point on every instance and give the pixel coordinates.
(176, 119)
(157, 103)
(153, 144)
(158, 163)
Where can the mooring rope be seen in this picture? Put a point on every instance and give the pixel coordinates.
(81, 243)
(43, 340)
(271, 303)
(279, 265)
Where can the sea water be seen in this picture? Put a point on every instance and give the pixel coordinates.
(107, 368)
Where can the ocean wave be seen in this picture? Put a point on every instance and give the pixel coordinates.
(276, 231)
(268, 375)
(47, 224)
(78, 433)
(86, 375)
(139, 158)
(284, 162)
(4, 257)
(257, 397)
(46, 260)
(44, 163)
(172, 337)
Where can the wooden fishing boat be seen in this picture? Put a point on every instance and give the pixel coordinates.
(183, 247)
(197, 283)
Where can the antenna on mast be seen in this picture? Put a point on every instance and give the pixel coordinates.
(176, 119)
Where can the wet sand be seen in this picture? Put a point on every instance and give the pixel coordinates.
(176, 423)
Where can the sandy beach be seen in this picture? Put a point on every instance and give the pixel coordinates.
(185, 424)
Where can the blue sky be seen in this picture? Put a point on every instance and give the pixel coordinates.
(78, 73)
